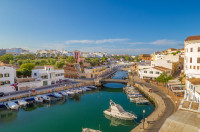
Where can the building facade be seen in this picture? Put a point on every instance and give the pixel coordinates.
(192, 68)
(153, 72)
(7, 78)
(48, 75)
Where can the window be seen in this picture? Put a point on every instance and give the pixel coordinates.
(1, 83)
(194, 67)
(145, 71)
(151, 72)
(6, 75)
(157, 72)
(198, 49)
(1, 75)
(197, 67)
(190, 67)
(35, 74)
(191, 49)
(198, 59)
(190, 59)
(7, 82)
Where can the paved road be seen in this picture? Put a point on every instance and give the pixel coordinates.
(170, 107)
(49, 87)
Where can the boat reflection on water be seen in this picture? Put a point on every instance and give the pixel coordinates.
(8, 115)
(53, 102)
(117, 121)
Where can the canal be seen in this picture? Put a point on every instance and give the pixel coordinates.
(73, 114)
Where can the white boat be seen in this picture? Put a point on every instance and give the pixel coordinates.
(12, 105)
(57, 95)
(46, 98)
(22, 102)
(87, 89)
(92, 87)
(63, 93)
(117, 111)
(89, 130)
(38, 99)
(70, 92)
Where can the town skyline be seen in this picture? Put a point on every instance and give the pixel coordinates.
(97, 26)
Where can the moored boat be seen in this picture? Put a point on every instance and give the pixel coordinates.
(117, 111)
(38, 99)
(22, 102)
(12, 105)
(92, 87)
(57, 95)
(89, 130)
(46, 98)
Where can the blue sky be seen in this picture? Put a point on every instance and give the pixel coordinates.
(114, 26)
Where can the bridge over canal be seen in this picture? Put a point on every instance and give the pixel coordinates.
(113, 81)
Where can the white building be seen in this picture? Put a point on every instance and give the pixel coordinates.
(192, 68)
(48, 75)
(153, 72)
(47, 53)
(7, 77)
(67, 53)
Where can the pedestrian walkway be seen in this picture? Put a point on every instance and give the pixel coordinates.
(164, 107)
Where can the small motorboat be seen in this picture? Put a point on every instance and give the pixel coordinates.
(92, 87)
(70, 92)
(63, 93)
(89, 130)
(38, 99)
(22, 102)
(87, 89)
(45, 98)
(13, 105)
(57, 95)
(117, 111)
(83, 89)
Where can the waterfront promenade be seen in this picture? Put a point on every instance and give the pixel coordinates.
(164, 106)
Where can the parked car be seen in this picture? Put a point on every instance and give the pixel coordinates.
(2, 94)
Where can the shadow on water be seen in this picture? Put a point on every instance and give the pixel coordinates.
(8, 115)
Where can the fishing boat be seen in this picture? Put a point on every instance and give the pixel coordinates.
(46, 98)
(117, 111)
(89, 130)
(38, 99)
(12, 105)
(22, 102)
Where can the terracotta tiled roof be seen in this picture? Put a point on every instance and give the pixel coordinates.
(48, 66)
(190, 38)
(161, 68)
(194, 81)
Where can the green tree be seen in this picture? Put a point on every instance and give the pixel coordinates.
(6, 58)
(70, 59)
(164, 78)
(12, 62)
(20, 62)
(27, 66)
(127, 58)
(59, 64)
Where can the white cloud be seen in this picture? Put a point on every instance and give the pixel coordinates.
(95, 41)
(110, 41)
(159, 42)
(79, 41)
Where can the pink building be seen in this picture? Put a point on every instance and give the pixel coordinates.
(77, 56)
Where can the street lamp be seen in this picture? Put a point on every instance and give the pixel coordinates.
(143, 117)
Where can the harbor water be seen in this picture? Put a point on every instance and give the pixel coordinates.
(73, 114)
